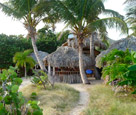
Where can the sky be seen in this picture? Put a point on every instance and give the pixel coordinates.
(10, 26)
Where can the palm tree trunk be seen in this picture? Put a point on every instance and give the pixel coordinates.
(25, 72)
(37, 55)
(39, 60)
(81, 65)
(32, 33)
(92, 55)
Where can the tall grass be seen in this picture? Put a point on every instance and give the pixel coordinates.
(54, 101)
(104, 102)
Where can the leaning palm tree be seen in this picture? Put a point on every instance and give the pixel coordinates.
(31, 12)
(22, 59)
(83, 18)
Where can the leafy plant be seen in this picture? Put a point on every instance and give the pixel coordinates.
(12, 102)
(33, 96)
(40, 78)
(22, 59)
(122, 66)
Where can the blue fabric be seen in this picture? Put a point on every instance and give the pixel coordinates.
(89, 71)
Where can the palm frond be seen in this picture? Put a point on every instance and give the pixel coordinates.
(66, 15)
(112, 13)
(9, 11)
(30, 61)
(27, 52)
(111, 22)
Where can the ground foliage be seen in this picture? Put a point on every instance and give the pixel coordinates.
(121, 66)
(12, 101)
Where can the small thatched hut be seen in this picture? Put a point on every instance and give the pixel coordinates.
(72, 42)
(41, 54)
(123, 44)
(63, 64)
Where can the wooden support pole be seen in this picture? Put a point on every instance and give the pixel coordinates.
(53, 71)
(49, 69)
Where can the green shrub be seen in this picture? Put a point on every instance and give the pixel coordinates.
(33, 96)
(40, 78)
(122, 66)
(12, 102)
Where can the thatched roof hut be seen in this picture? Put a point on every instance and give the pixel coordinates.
(66, 57)
(41, 54)
(123, 44)
(72, 42)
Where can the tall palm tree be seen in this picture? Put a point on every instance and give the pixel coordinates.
(83, 17)
(22, 59)
(31, 12)
(131, 16)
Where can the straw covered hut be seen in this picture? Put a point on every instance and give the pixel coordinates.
(72, 42)
(63, 64)
(123, 44)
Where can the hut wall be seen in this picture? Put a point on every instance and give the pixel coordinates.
(73, 78)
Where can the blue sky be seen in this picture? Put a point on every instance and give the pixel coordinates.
(10, 26)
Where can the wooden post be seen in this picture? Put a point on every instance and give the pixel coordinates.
(49, 69)
(53, 71)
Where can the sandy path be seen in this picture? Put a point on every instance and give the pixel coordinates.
(25, 82)
(84, 96)
(83, 100)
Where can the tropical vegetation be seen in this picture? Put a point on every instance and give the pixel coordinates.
(31, 13)
(44, 43)
(121, 66)
(9, 45)
(12, 101)
(24, 60)
(44, 97)
(131, 16)
(83, 18)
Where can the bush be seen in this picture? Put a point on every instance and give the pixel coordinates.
(121, 66)
(40, 78)
(12, 102)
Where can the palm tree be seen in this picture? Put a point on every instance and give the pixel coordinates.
(83, 18)
(22, 59)
(31, 12)
(131, 16)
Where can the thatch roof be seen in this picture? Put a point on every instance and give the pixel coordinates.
(74, 43)
(66, 57)
(41, 54)
(123, 44)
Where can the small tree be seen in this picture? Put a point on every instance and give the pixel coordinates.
(22, 59)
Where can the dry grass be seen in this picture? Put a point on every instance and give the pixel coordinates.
(54, 101)
(104, 102)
